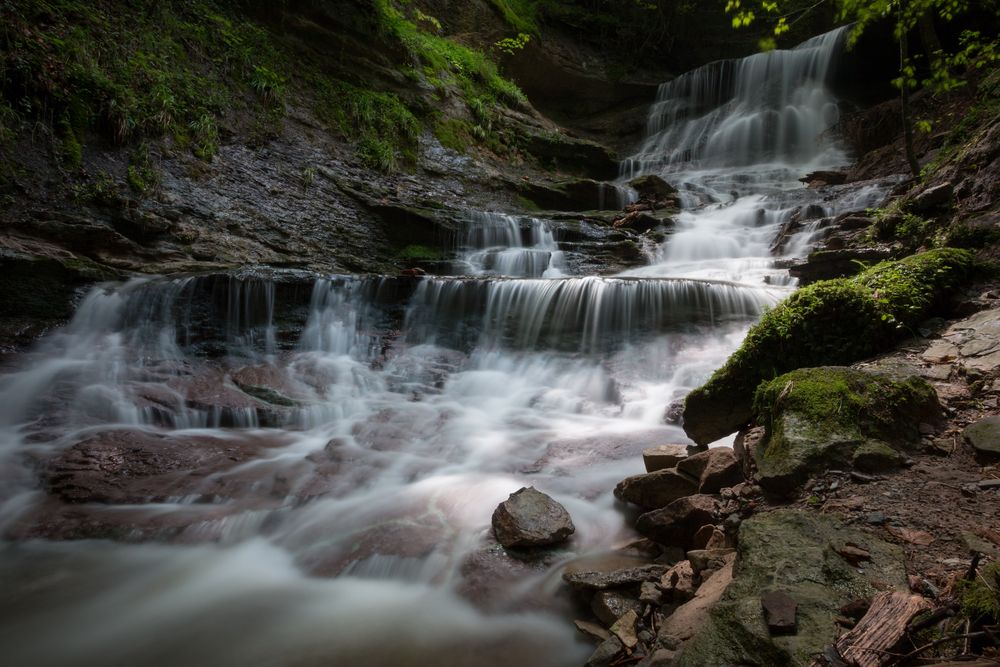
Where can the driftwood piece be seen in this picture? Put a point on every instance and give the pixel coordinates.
(871, 641)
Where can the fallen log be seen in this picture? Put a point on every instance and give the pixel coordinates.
(872, 641)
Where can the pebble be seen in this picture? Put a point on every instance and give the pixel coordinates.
(875, 519)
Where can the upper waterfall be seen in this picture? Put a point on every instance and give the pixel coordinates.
(772, 106)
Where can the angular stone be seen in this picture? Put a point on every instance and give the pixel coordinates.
(722, 470)
(708, 559)
(529, 518)
(592, 630)
(689, 618)
(650, 593)
(984, 436)
(932, 197)
(663, 457)
(656, 489)
(678, 582)
(605, 653)
(779, 612)
(609, 606)
(939, 352)
(677, 523)
(704, 534)
(624, 629)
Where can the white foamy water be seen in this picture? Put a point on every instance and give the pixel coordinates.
(356, 433)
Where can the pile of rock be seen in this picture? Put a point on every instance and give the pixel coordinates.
(651, 596)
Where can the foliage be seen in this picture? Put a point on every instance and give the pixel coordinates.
(141, 175)
(840, 398)
(418, 252)
(129, 70)
(509, 45)
(519, 14)
(907, 289)
(981, 597)
(840, 321)
(384, 129)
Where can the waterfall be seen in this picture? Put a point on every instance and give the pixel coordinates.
(769, 107)
(312, 461)
(505, 245)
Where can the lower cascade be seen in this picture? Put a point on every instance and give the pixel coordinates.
(302, 469)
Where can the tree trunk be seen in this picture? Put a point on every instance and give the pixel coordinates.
(904, 98)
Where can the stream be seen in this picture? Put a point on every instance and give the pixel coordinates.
(301, 470)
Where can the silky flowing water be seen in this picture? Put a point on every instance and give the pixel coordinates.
(367, 427)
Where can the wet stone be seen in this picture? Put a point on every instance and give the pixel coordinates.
(606, 653)
(529, 518)
(609, 606)
(632, 576)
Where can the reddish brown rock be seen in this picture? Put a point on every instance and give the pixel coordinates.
(130, 467)
(779, 612)
(656, 489)
(663, 457)
(677, 523)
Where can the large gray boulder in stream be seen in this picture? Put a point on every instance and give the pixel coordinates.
(799, 554)
(837, 417)
(529, 518)
(834, 322)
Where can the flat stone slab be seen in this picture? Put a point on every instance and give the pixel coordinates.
(779, 611)
(663, 457)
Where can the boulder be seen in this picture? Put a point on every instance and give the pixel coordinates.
(832, 417)
(529, 518)
(656, 489)
(830, 322)
(677, 523)
(932, 198)
(984, 436)
(663, 457)
(789, 549)
(678, 582)
(714, 468)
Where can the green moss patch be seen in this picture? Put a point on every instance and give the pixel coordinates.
(830, 322)
(818, 418)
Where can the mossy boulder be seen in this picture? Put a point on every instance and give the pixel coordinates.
(792, 551)
(829, 322)
(836, 417)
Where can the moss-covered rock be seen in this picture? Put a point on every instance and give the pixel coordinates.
(830, 322)
(818, 418)
(792, 551)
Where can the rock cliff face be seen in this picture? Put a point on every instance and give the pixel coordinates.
(340, 136)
